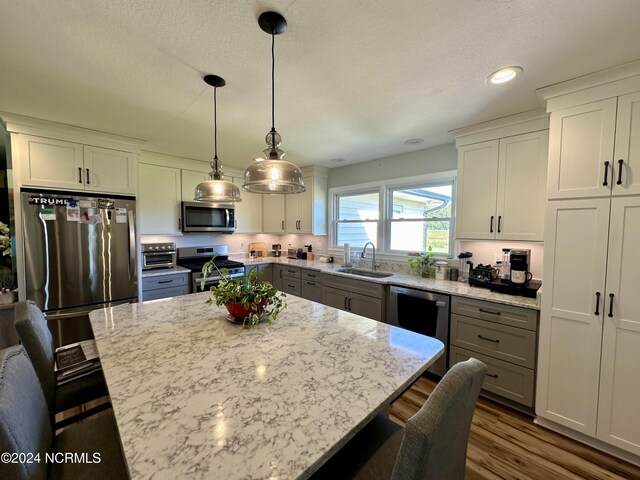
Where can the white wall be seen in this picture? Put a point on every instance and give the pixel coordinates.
(430, 160)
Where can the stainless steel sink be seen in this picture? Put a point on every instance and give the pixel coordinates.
(364, 273)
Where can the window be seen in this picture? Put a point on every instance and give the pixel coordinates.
(398, 216)
(358, 215)
(421, 217)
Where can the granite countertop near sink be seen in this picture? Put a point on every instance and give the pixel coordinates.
(405, 280)
(161, 272)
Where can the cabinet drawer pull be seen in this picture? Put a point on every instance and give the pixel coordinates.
(494, 340)
(165, 281)
(499, 222)
(491, 225)
(611, 305)
(489, 311)
(606, 174)
(620, 162)
(597, 312)
(311, 275)
(311, 283)
(79, 174)
(492, 375)
(290, 286)
(88, 177)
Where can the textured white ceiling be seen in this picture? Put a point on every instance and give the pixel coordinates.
(354, 79)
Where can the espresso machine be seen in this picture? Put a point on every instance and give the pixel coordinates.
(520, 261)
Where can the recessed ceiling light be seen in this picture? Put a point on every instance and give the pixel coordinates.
(504, 75)
(337, 160)
(413, 141)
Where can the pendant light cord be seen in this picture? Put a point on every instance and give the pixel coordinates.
(273, 81)
(215, 127)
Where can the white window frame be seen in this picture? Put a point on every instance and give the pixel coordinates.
(384, 188)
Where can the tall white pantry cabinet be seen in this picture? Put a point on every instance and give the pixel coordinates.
(589, 345)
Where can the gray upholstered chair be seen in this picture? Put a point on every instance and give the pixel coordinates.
(25, 428)
(36, 338)
(432, 446)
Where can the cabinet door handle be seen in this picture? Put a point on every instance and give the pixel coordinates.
(283, 225)
(350, 303)
(597, 312)
(492, 375)
(499, 222)
(494, 340)
(488, 311)
(79, 174)
(620, 163)
(345, 303)
(280, 273)
(165, 281)
(611, 305)
(88, 177)
(606, 174)
(491, 225)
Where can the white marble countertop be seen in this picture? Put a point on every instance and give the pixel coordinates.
(408, 280)
(161, 272)
(198, 397)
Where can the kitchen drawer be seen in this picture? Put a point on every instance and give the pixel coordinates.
(366, 306)
(164, 293)
(363, 287)
(504, 379)
(312, 291)
(165, 281)
(312, 276)
(291, 271)
(515, 345)
(495, 312)
(292, 286)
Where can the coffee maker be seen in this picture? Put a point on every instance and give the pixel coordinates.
(520, 260)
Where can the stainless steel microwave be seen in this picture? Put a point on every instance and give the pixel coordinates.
(208, 217)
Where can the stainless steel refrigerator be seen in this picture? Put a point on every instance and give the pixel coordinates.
(80, 255)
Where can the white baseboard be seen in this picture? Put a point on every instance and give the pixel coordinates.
(587, 440)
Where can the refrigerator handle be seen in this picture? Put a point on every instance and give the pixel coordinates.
(132, 244)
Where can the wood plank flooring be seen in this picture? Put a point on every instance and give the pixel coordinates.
(505, 444)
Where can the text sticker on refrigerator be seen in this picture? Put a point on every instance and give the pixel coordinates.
(48, 214)
(121, 215)
(73, 211)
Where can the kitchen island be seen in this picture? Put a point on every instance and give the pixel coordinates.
(196, 396)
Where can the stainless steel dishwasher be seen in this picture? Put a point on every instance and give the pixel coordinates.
(422, 312)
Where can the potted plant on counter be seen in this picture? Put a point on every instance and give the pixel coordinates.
(247, 300)
(423, 262)
(7, 277)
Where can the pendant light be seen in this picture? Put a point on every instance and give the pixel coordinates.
(272, 174)
(216, 190)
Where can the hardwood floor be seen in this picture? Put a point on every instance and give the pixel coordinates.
(505, 444)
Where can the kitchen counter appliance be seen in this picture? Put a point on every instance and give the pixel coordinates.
(194, 259)
(422, 312)
(158, 255)
(80, 255)
(208, 217)
(482, 275)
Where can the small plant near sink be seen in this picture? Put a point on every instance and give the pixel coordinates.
(422, 262)
(247, 300)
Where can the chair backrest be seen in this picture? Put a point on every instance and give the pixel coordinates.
(435, 439)
(37, 340)
(24, 417)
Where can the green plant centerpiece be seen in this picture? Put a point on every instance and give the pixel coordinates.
(422, 262)
(247, 300)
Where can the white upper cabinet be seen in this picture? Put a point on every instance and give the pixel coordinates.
(249, 211)
(627, 146)
(581, 150)
(159, 200)
(190, 180)
(477, 190)
(72, 166)
(307, 212)
(501, 181)
(273, 216)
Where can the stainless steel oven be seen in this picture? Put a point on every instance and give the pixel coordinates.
(208, 217)
(422, 312)
(158, 255)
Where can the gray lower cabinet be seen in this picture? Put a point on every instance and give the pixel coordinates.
(287, 279)
(340, 292)
(312, 285)
(265, 272)
(164, 286)
(502, 336)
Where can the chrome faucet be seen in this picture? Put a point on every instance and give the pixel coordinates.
(374, 265)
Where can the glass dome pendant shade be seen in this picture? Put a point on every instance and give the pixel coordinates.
(272, 175)
(216, 190)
